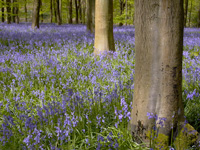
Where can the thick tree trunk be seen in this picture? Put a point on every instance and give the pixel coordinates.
(185, 12)
(91, 15)
(8, 2)
(158, 66)
(25, 10)
(2, 10)
(76, 7)
(104, 40)
(51, 11)
(59, 22)
(36, 14)
(70, 11)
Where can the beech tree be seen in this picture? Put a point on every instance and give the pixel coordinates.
(158, 67)
(2, 11)
(36, 14)
(8, 3)
(104, 40)
(70, 11)
(185, 12)
(59, 21)
(91, 15)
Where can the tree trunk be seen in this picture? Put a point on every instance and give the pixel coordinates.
(8, 11)
(190, 14)
(104, 40)
(185, 12)
(76, 7)
(36, 14)
(51, 11)
(25, 10)
(80, 11)
(17, 12)
(60, 9)
(2, 10)
(158, 66)
(58, 12)
(91, 15)
(42, 18)
(83, 11)
(70, 11)
(126, 11)
(55, 11)
(199, 17)
(13, 11)
(122, 5)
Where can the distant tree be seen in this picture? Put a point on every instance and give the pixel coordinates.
(76, 8)
(36, 14)
(122, 6)
(158, 67)
(70, 11)
(199, 16)
(51, 12)
(190, 15)
(80, 10)
(17, 12)
(104, 40)
(42, 16)
(185, 12)
(13, 11)
(83, 10)
(91, 15)
(25, 10)
(59, 21)
(2, 11)
(8, 7)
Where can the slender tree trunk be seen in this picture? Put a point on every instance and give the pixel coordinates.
(25, 10)
(70, 11)
(36, 14)
(51, 11)
(80, 10)
(17, 12)
(58, 12)
(122, 5)
(60, 9)
(8, 3)
(76, 7)
(55, 12)
(13, 11)
(190, 14)
(199, 16)
(83, 11)
(2, 10)
(91, 15)
(42, 17)
(185, 12)
(126, 11)
(158, 66)
(104, 40)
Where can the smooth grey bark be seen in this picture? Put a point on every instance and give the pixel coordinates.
(36, 14)
(104, 40)
(70, 11)
(91, 15)
(2, 11)
(185, 12)
(158, 66)
(8, 3)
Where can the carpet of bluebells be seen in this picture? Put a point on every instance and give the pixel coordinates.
(54, 94)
